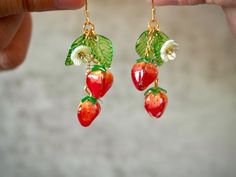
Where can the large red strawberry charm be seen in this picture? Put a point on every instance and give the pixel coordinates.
(99, 81)
(155, 102)
(88, 110)
(143, 74)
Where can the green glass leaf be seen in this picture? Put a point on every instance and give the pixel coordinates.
(100, 46)
(159, 39)
(157, 50)
(141, 46)
(68, 61)
(102, 50)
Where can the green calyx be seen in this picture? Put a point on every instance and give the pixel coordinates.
(146, 60)
(155, 91)
(89, 98)
(99, 67)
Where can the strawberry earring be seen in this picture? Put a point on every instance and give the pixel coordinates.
(96, 51)
(155, 48)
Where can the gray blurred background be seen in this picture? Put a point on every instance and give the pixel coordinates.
(39, 132)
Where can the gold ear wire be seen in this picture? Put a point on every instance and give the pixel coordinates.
(86, 4)
(88, 26)
(86, 13)
(153, 10)
(153, 23)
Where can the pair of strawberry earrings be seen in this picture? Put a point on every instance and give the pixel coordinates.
(96, 51)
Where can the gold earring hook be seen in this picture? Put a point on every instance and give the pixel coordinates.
(88, 25)
(86, 4)
(86, 12)
(153, 23)
(153, 10)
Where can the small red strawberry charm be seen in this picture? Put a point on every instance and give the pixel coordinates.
(99, 80)
(88, 110)
(143, 74)
(155, 102)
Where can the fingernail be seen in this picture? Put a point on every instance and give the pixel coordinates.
(69, 4)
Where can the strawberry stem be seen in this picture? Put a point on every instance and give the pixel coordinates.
(156, 84)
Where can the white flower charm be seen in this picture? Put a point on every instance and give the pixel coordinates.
(168, 50)
(80, 54)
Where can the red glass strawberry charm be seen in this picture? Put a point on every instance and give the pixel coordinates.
(88, 110)
(99, 80)
(155, 49)
(143, 74)
(155, 102)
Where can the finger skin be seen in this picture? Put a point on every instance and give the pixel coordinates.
(196, 2)
(229, 7)
(10, 7)
(179, 2)
(230, 14)
(8, 28)
(15, 53)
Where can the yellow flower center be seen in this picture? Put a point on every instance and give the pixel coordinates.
(170, 50)
(81, 55)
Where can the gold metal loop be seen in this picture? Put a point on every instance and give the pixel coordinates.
(153, 24)
(88, 26)
(86, 89)
(156, 84)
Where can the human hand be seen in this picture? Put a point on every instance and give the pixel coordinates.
(16, 26)
(229, 7)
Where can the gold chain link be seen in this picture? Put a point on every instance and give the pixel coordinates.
(88, 28)
(149, 43)
(153, 26)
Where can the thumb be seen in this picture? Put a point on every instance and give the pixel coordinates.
(10, 7)
(231, 16)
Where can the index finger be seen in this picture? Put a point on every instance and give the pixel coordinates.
(179, 2)
(10, 7)
(196, 2)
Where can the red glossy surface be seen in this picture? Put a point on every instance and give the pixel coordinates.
(143, 74)
(87, 112)
(155, 105)
(99, 82)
